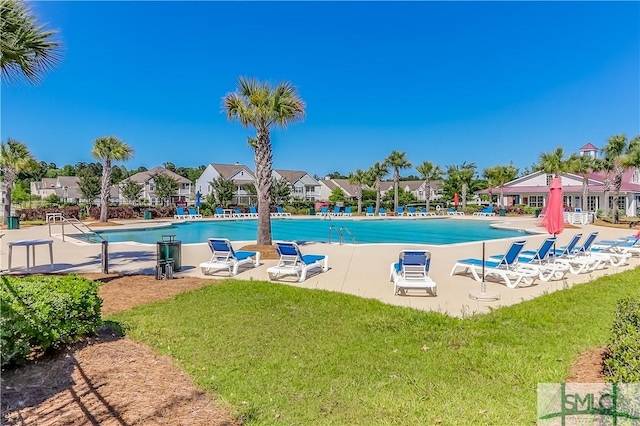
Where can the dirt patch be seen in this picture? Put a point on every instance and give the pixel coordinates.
(589, 367)
(266, 252)
(109, 380)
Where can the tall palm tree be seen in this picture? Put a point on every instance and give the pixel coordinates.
(358, 178)
(108, 149)
(27, 49)
(466, 175)
(614, 151)
(15, 158)
(375, 174)
(429, 172)
(258, 105)
(397, 160)
(490, 174)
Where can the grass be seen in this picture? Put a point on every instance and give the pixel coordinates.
(277, 354)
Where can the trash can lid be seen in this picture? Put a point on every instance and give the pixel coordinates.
(168, 238)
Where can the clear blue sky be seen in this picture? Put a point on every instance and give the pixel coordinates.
(447, 82)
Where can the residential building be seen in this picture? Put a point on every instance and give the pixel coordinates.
(303, 185)
(67, 188)
(149, 196)
(239, 174)
(328, 185)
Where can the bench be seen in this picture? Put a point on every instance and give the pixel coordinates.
(32, 244)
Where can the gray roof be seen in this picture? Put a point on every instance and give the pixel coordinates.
(143, 177)
(291, 176)
(229, 170)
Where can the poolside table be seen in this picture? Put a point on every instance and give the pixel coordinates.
(32, 244)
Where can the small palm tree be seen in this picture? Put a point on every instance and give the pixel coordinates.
(502, 175)
(375, 174)
(108, 149)
(27, 49)
(583, 165)
(397, 160)
(258, 105)
(429, 172)
(358, 178)
(554, 162)
(15, 158)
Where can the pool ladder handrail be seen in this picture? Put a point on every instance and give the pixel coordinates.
(341, 232)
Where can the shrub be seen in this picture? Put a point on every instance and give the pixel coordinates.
(42, 312)
(623, 363)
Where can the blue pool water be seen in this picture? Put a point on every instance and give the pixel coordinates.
(438, 231)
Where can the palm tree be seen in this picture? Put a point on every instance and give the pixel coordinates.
(27, 49)
(429, 172)
(502, 175)
(375, 175)
(397, 160)
(109, 149)
(466, 175)
(358, 178)
(15, 158)
(257, 104)
(490, 174)
(583, 165)
(614, 151)
(555, 162)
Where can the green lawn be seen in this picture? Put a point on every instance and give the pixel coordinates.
(277, 354)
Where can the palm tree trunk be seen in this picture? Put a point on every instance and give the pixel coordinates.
(396, 179)
(428, 185)
(9, 178)
(585, 192)
(105, 191)
(263, 156)
(359, 197)
(501, 200)
(377, 197)
(607, 188)
(617, 183)
(464, 196)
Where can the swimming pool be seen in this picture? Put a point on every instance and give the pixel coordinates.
(440, 231)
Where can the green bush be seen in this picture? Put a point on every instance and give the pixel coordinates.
(41, 312)
(623, 363)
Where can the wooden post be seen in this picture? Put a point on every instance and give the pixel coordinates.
(105, 257)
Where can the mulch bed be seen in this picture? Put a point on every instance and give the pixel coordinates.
(111, 380)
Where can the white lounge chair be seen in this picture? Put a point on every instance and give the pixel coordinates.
(369, 211)
(194, 213)
(411, 272)
(347, 212)
(180, 214)
(224, 257)
(293, 262)
(507, 268)
(252, 212)
(539, 259)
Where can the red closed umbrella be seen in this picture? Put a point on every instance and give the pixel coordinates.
(455, 199)
(553, 220)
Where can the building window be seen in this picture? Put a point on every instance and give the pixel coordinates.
(310, 189)
(621, 202)
(536, 201)
(635, 178)
(592, 203)
(152, 185)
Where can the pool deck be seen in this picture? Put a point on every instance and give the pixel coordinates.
(361, 270)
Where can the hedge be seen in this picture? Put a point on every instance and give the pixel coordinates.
(42, 312)
(623, 363)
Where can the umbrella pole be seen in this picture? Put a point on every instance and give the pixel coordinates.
(483, 295)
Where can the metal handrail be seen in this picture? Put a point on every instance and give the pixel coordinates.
(340, 234)
(345, 229)
(334, 228)
(73, 222)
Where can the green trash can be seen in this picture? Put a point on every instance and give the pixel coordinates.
(170, 249)
(13, 222)
(537, 212)
(312, 211)
(147, 214)
(503, 212)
